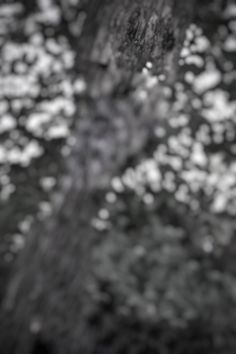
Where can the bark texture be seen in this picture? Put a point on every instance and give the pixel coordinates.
(48, 302)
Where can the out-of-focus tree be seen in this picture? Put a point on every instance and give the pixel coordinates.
(128, 277)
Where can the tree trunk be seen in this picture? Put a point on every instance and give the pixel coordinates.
(49, 299)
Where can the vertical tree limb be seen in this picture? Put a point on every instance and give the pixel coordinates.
(48, 299)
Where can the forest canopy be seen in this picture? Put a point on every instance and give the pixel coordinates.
(117, 177)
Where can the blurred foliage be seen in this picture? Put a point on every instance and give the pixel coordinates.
(164, 275)
(158, 286)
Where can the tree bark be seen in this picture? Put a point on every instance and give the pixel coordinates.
(47, 305)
